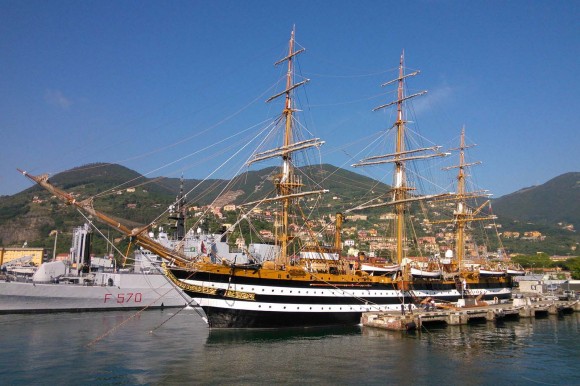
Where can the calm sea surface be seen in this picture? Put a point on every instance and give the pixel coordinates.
(61, 349)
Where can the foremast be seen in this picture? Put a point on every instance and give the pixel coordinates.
(401, 197)
(288, 185)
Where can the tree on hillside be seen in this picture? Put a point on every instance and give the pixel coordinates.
(537, 261)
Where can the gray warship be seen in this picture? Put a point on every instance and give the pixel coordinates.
(81, 283)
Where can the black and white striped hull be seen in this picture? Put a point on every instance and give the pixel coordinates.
(291, 303)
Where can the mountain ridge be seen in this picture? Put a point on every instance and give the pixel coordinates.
(557, 200)
(31, 214)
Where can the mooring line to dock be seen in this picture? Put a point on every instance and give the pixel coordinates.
(423, 326)
(91, 343)
(542, 383)
(175, 314)
(188, 304)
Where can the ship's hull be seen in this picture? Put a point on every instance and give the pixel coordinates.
(130, 291)
(231, 301)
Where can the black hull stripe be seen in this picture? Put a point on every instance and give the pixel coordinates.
(228, 318)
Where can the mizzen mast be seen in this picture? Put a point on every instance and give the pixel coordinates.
(400, 191)
(463, 214)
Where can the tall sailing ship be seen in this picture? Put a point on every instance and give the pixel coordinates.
(297, 283)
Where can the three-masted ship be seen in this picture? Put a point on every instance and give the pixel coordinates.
(301, 284)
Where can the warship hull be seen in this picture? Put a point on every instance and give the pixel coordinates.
(128, 292)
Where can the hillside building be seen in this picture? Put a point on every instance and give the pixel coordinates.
(25, 254)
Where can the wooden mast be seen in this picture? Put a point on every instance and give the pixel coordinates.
(400, 198)
(463, 214)
(284, 185)
(288, 185)
(400, 185)
(461, 205)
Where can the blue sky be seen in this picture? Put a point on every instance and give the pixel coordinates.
(144, 83)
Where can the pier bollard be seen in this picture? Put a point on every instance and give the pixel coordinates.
(457, 318)
(490, 315)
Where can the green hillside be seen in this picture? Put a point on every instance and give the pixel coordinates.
(123, 193)
(558, 200)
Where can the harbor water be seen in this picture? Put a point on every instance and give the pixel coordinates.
(162, 347)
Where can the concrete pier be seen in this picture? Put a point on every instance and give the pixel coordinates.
(519, 308)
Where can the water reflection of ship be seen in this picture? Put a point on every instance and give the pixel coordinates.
(225, 336)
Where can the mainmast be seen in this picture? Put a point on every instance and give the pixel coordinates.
(400, 190)
(288, 184)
